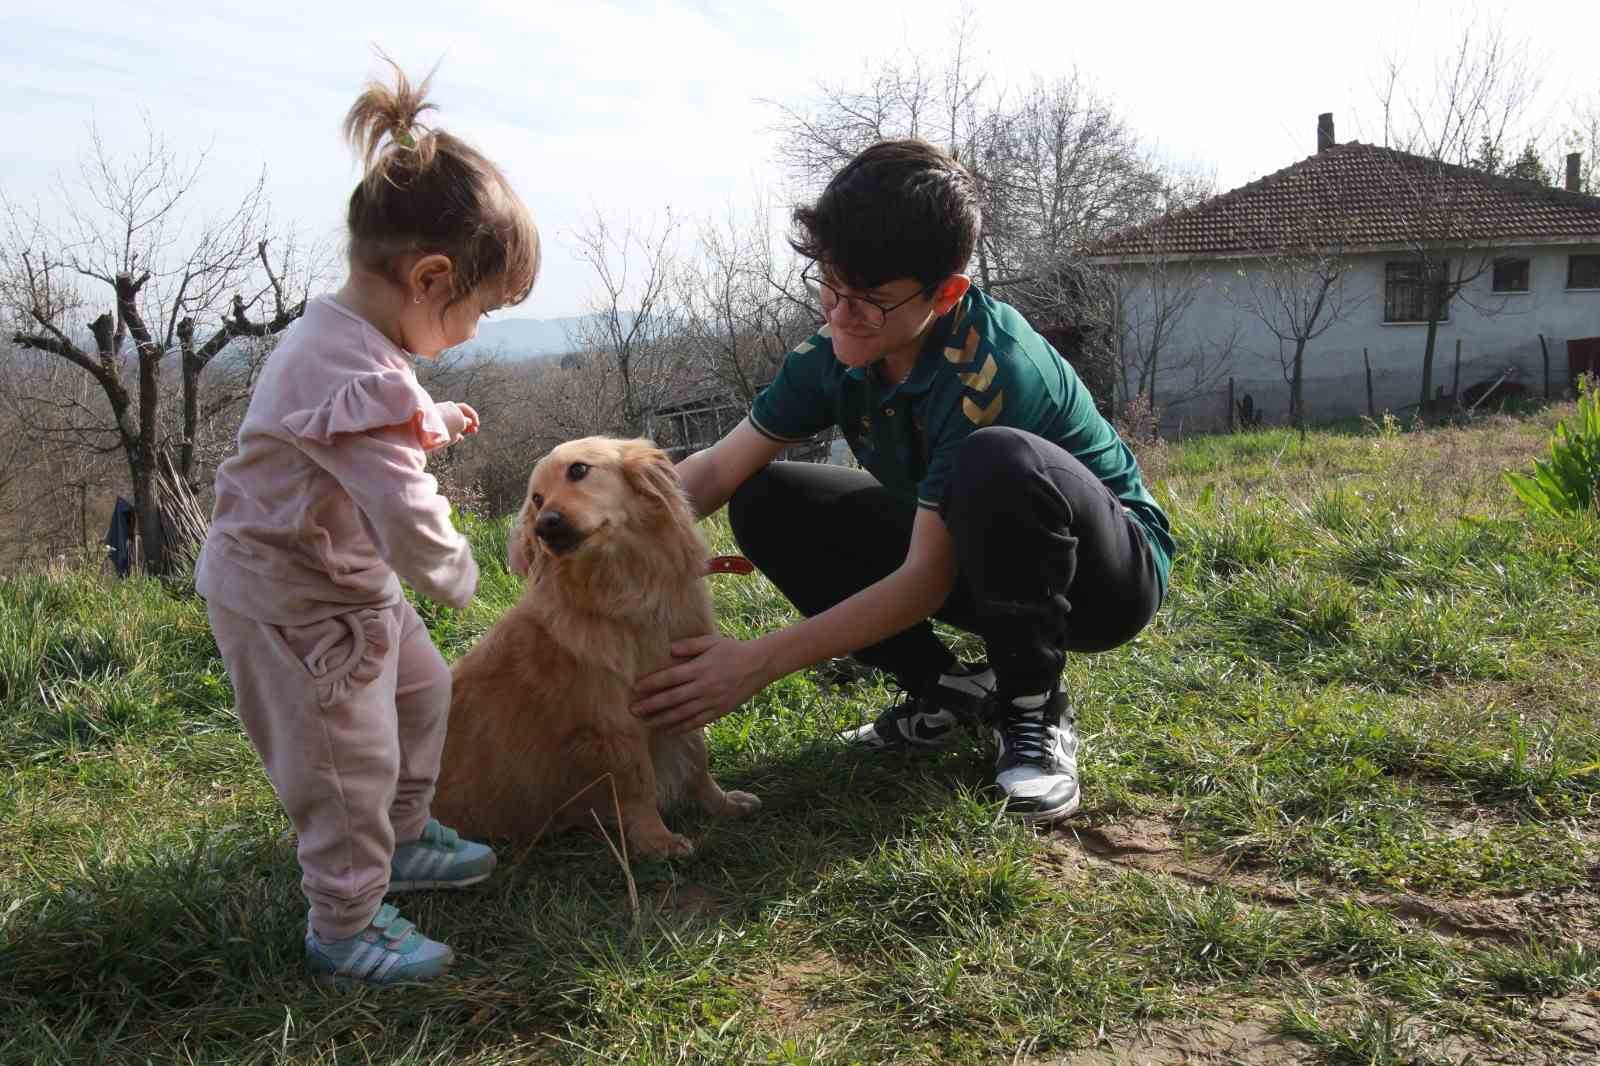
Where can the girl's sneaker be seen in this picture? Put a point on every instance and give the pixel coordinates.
(439, 859)
(389, 951)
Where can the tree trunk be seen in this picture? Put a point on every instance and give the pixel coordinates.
(191, 400)
(142, 458)
(1297, 392)
(1437, 296)
(1427, 365)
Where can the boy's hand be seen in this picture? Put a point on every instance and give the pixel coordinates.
(713, 676)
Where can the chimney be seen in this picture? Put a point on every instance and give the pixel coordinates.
(1325, 132)
(1574, 159)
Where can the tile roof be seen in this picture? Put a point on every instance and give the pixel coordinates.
(1358, 195)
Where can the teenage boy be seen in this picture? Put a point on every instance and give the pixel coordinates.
(992, 495)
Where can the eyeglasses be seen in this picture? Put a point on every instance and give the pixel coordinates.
(871, 312)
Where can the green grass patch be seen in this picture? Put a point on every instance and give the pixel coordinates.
(1375, 678)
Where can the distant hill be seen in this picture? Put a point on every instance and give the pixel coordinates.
(513, 338)
(519, 338)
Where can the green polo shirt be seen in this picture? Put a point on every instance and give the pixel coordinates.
(982, 365)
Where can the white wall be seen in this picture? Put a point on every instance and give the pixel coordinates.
(1496, 331)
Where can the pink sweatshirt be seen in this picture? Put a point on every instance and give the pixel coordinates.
(327, 498)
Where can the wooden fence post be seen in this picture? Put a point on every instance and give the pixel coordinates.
(1455, 385)
(1372, 411)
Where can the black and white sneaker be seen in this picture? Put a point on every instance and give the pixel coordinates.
(1037, 765)
(931, 718)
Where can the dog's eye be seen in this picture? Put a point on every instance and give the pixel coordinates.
(577, 471)
(538, 501)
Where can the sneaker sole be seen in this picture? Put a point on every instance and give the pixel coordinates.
(1035, 817)
(423, 886)
(856, 744)
(343, 983)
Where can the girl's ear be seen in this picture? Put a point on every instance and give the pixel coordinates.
(428, 276)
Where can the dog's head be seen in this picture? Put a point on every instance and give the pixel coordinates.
(592, 495)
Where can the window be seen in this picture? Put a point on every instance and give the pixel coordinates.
(1583, 272)
(1405, 290)
(1510, 275)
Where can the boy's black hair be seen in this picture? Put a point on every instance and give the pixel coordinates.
(900, 209)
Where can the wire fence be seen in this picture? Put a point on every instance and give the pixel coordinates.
(1370, 389)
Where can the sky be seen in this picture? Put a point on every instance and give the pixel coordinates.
(629, 109)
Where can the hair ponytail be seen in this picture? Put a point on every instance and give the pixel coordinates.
(426, 191)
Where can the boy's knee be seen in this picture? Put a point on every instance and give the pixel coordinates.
(749, 503)
(993, 459)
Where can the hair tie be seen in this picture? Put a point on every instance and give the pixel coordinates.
(404, 138)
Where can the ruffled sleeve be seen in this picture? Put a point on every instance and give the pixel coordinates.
(372, 401)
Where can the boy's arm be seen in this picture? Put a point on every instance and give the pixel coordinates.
(725, 672)
(916, 588)
(712, 476)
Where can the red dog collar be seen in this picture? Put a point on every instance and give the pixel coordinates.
(729, 564)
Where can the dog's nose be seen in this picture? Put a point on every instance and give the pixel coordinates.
(549, 524)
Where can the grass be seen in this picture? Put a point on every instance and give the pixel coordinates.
(1346, 785)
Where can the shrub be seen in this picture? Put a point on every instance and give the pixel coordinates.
(1568, 483)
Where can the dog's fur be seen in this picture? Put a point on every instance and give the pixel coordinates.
(540, 728)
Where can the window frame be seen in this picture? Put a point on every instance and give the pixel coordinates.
(1524, 262)
(1418, 282)
(1572, 262)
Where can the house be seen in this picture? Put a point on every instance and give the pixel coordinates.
(1354, 256)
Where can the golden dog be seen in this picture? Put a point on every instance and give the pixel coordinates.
(540, 731)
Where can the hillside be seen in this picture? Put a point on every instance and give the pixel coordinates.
(1340, 807)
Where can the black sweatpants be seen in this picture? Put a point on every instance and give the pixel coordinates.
(1048, 560)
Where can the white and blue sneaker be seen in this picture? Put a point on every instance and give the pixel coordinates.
(930, 719)
(439, 859)
(1036, 766)
(389, 951)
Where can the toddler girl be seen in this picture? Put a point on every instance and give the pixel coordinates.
(335, 679)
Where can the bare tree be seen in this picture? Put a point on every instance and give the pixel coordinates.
(1153, 298)
(1474, 105)
(1055, 165)
(953, 103)
(631, 313)
(128, 241)
(1583, 137)
(1067, 170)
(1295, 285)
(743, 305)
(1298, 294)
(47, 491)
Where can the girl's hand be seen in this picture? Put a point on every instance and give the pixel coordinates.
(469, 419)
(720, 674)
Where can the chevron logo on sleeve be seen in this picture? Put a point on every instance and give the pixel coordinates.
(982, 415)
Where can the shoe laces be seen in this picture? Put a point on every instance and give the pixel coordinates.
(1027, 736)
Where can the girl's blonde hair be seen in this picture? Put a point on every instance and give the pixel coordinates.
(427, 192)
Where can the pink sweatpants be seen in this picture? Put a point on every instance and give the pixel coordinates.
(349, 717)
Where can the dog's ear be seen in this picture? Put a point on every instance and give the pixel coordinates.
(520, 550)
(650, 472)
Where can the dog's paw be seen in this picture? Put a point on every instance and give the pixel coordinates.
(741, 803)
(670, 846)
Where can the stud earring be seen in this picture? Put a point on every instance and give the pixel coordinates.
(417, 300)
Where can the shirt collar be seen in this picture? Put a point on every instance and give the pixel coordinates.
(928, 360)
